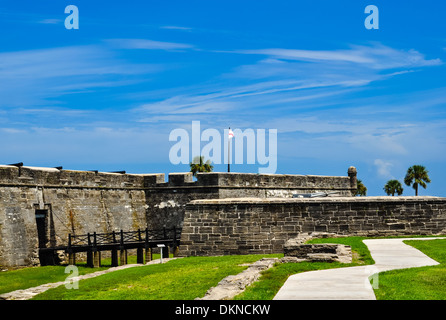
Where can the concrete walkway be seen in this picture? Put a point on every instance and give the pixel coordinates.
(353, 283)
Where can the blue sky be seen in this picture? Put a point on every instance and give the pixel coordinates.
(106, 96)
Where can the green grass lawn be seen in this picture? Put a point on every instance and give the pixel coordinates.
(35, 276)
(424, 283)
(189, 278)
(180, 279)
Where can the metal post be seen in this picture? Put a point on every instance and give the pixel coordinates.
(229, 150)
(161, 255)
(161, 246)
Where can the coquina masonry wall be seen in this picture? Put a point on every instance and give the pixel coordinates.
(87, 201)
(167, 200)
(252, 225)
(70, 201)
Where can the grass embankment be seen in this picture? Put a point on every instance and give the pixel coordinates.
(273, 279)
(188, 278)
(181, 279)
(35, 276)
(424, 283)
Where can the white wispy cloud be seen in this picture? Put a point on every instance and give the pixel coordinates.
(63, 61)
(228, 98)
(29, 77)
(85, 144)
(290, 90)
(383, 168)
(148, 44)
(375, 56)
(289, 78)
(176, 28)
(311, 55)
(50, 21)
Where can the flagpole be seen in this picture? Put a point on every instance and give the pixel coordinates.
(229, 150)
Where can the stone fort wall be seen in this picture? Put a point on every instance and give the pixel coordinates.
(167, 201)
(90, 201)
(72, 201)
(252, 225)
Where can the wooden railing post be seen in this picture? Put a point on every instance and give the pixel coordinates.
(148, 255)
(95, 242)
(71, 254)
(122, 251)
(175, 242)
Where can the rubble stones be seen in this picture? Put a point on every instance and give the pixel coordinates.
(317, 252)
(233, 285)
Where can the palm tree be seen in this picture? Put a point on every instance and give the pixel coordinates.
(361, 190)
(392, 187)
(199, 165)
(417, 175)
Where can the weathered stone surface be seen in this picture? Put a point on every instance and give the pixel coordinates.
(321, 257)
(326, 252)
(255, 225)
(90, 201)
(180, 190)
(233, 285)
(291, 259)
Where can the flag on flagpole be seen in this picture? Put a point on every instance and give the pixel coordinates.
(230, 136)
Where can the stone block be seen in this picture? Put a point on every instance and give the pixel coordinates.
(180, 178)
(317, 252)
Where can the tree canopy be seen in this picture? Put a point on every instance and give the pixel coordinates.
(392, 187)
(417, 175)
(199, 165)
(361, 189)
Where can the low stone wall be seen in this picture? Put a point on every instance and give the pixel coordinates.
(324, 252)
(252, 225)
